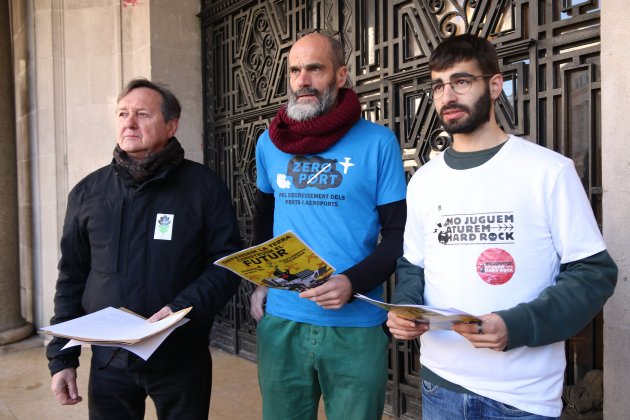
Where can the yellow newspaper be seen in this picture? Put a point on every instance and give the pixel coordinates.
(284, 262)
(438, 319)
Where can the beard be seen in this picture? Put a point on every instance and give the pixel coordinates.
(478, 115)
(306, 111)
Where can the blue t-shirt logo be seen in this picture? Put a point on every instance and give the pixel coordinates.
(314, 172)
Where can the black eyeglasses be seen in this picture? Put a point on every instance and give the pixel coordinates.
(322, 31)
(459, 83)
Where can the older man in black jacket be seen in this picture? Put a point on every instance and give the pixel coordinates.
(143, 233)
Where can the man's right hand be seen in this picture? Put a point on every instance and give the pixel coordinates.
(64, 386)
(257, 302)
(404, 329)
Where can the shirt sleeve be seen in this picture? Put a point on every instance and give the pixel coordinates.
(562, 310)
(264, 205)
(392, 210)
(262, 179)
(568, 207)
(74, 266)
(379, 265)
(413, 247)
(391, 181)
(409, 283)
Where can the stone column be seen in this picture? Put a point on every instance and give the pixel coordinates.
(616, 203)
(12, 326)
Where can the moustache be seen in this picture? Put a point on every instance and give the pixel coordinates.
(307, 91)
(452, 107)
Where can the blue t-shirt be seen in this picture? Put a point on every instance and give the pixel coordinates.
(329, 200)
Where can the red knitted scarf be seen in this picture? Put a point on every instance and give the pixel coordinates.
(319, 133)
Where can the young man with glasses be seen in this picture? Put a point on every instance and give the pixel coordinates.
(337, 181)
(499, 227)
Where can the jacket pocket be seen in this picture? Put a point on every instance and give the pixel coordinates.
(104, 226)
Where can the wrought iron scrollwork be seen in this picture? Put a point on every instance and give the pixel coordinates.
(261, 55)
(449, 13)
(387, 45)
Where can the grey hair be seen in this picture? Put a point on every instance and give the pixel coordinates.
(171, 109)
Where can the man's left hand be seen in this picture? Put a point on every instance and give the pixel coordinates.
(490, 333)
(333, 294)
(162, 313)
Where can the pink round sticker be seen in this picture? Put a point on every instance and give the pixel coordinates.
(495, 266)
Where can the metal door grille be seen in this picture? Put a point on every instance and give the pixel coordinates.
(550, 57)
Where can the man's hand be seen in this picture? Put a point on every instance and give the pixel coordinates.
(64, 386)
(162, 313)
(257, 303)
(333, 294)
(491, 333)
(405, 329)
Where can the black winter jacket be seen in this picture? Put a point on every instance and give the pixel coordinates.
(109, 256)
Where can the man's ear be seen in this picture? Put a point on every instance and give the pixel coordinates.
(342, 76)
(172, 127)
(496, 86)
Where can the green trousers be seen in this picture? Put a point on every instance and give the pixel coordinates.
(298, 363)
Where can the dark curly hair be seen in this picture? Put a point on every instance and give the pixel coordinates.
(465, 47)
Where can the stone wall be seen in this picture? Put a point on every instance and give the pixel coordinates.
(72, 59)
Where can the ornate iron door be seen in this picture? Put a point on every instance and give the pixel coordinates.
(550, 58)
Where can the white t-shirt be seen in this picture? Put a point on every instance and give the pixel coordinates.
(489, 238)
